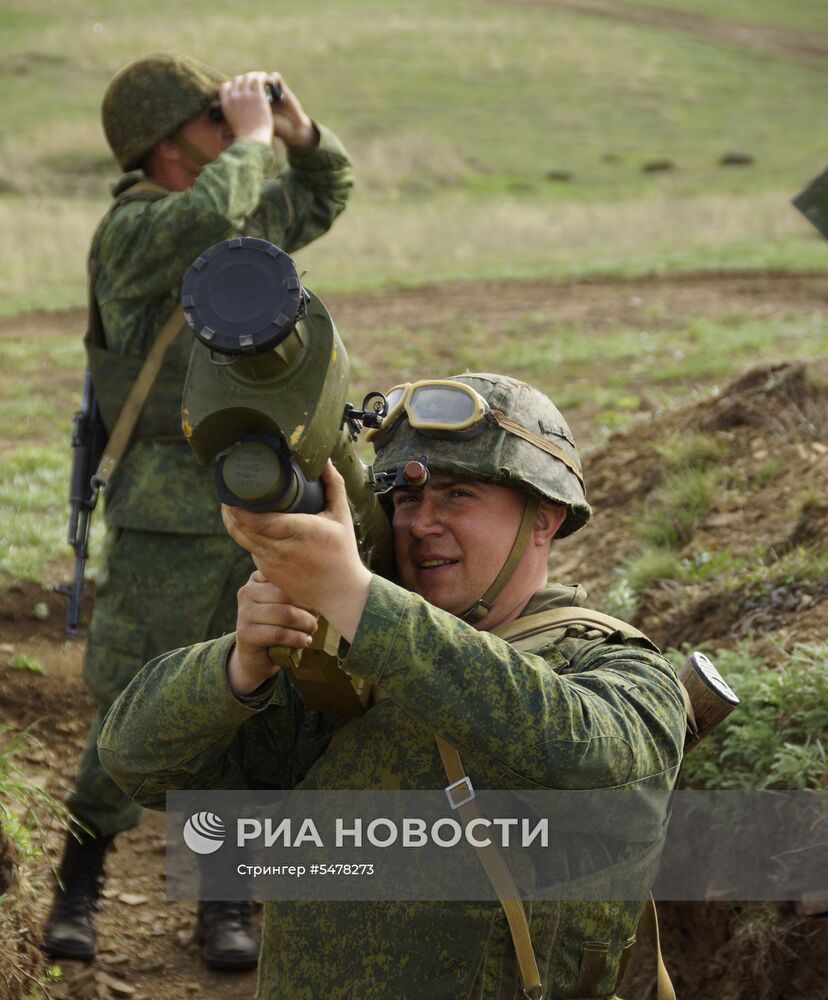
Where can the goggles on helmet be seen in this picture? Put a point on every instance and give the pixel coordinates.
(436, 408)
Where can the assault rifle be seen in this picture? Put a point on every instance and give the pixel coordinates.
(88, 441)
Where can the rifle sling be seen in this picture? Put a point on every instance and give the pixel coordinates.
(131, 410)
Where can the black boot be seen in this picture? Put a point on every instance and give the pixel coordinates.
(223, 933)
(70, 927)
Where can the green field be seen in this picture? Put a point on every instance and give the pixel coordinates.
(455, 112)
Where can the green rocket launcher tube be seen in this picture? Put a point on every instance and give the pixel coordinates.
(265, 397)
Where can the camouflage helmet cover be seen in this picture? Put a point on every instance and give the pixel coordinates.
(152, 97)
(498, 455)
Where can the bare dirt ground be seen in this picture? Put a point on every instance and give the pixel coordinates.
(601, 305)
(146, 950)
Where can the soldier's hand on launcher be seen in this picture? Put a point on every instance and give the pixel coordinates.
(314, 557)
(290, 123)
(266, 617)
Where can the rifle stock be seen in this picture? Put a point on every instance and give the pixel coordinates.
(88, 442)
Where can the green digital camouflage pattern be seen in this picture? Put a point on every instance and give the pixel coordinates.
(152, 97)
(569, 709)
(497, 455)
(171, 573)
(145, 604)
(144, 250)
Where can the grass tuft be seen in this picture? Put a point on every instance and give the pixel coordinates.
(680, 505)
(692, 451)
(649, 566)
(25, 807)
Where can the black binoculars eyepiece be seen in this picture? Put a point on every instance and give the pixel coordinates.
(273, 92)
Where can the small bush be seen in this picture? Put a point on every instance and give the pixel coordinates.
(704, 566)
(776, 737)
(620, 600)
(800, 566)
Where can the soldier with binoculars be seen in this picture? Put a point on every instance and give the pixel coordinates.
(197, 148)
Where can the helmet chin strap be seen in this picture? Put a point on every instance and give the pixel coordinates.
(189, 150)
(477, 612)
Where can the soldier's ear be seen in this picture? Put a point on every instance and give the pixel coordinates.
(548, 520)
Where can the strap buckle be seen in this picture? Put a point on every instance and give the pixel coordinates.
(534, 993)
(465, 783)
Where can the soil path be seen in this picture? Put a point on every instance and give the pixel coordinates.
(600, 305)
(797, 44)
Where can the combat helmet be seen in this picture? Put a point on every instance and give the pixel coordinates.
(150, 98)
(517, 438)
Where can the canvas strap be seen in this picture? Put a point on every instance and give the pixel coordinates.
(477, 612)
(131, 410)
(460, 790)
(121, 434)
(461, 795)
(188, 149)
(513, 427)
(648, 923)
(542, 621)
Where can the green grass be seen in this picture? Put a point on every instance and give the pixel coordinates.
(455, 112)
(612, 371)
(34, 480)
(648, 566)
(680, 505)
(776, 736)
(798, 567)
(25, 808)
(696, 451)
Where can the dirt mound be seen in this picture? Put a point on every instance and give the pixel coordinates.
(711, 527)
(723, 502)
(721, 950)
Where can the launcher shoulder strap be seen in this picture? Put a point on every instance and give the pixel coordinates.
(568, 617)
(461, 796)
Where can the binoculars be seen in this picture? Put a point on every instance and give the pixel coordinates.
(273, 92)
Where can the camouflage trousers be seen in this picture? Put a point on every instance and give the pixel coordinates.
(157, 592)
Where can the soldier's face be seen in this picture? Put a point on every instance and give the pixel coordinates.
(209, 137)
(452, 537)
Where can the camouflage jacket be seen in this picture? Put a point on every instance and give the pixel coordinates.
(138, 259)
(577, 711)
